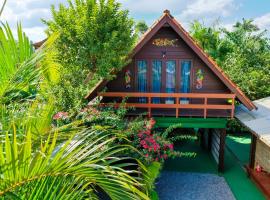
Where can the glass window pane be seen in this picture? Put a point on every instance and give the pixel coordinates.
(170, 79)
(156, 79)
(142, 78)
(185, 79)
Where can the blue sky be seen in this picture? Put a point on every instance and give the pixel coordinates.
(29, 12)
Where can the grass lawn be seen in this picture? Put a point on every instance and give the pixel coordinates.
(242, 187)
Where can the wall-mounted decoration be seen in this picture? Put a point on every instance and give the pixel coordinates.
(128, 79)
(199, 79)
(163, 42)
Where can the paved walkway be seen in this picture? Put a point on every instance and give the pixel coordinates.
(241, 186)
(192, 186)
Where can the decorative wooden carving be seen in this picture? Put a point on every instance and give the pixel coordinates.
(128, 79)
(199, 79)
(163, 42)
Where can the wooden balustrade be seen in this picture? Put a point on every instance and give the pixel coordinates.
(177, 105)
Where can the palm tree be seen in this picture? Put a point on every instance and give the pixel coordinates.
(78, 168)
(21, 68)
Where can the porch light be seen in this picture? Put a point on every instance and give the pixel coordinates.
(164, 54)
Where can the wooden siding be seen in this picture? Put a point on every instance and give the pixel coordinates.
(211, 83)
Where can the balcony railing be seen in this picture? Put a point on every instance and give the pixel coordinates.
(177, 105)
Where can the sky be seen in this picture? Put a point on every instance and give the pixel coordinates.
(226, 12)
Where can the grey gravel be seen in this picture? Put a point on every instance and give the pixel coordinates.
(189, 186)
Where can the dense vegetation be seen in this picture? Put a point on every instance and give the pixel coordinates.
(243, 53)
(55, 146)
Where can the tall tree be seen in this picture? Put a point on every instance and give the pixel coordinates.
(141, 27)
(95, 35)
(95, 40)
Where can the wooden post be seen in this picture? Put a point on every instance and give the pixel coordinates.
(221, 150)
(209, 144)
(149, 108)
(205, 110)
(202, 138)
(177, 109)
(252, 151)
(233, 107)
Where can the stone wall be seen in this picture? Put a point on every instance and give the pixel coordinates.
(262, 155)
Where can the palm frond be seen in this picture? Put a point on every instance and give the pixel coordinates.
(21, 68)
(77, 169)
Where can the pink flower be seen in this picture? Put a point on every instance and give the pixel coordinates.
(146, 155)
(140, 135)
(170, 146)
(60, 115)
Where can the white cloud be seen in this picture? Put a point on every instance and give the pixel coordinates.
(209, 7)
(207, 11)
(263, 22)
(153, 6)
(37, 33)
(29, 14)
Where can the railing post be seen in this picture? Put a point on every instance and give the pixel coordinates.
(149, 108)
(205, 110)
(177, 109)
(232, 111)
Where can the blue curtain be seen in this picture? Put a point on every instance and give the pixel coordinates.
(156, 79)
(170, 79)
(142, 80)
(185, 77)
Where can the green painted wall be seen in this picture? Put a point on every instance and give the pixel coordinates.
(165, 122)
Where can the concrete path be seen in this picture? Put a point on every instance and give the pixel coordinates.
(192, 186)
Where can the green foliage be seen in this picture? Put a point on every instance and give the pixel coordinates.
(21, 69)
(75, 169)
(243, 53)
(42, 160)
(141, 27)
(153, 173)
(95, 40)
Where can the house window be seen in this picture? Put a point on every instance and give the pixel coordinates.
(185, 79)
(170, 79)
(156, 79)
(142, 78)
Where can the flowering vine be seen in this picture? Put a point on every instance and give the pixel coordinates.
(154, 147)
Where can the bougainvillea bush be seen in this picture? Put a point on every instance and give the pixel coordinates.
(151, 144)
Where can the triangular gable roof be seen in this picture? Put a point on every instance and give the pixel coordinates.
(167, 18)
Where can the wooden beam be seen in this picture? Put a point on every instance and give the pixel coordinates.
(174, 95)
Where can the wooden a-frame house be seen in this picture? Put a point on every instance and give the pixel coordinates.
(173, 80)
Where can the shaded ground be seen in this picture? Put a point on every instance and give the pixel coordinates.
(192, 186)
(241, 186)
(240, 147)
